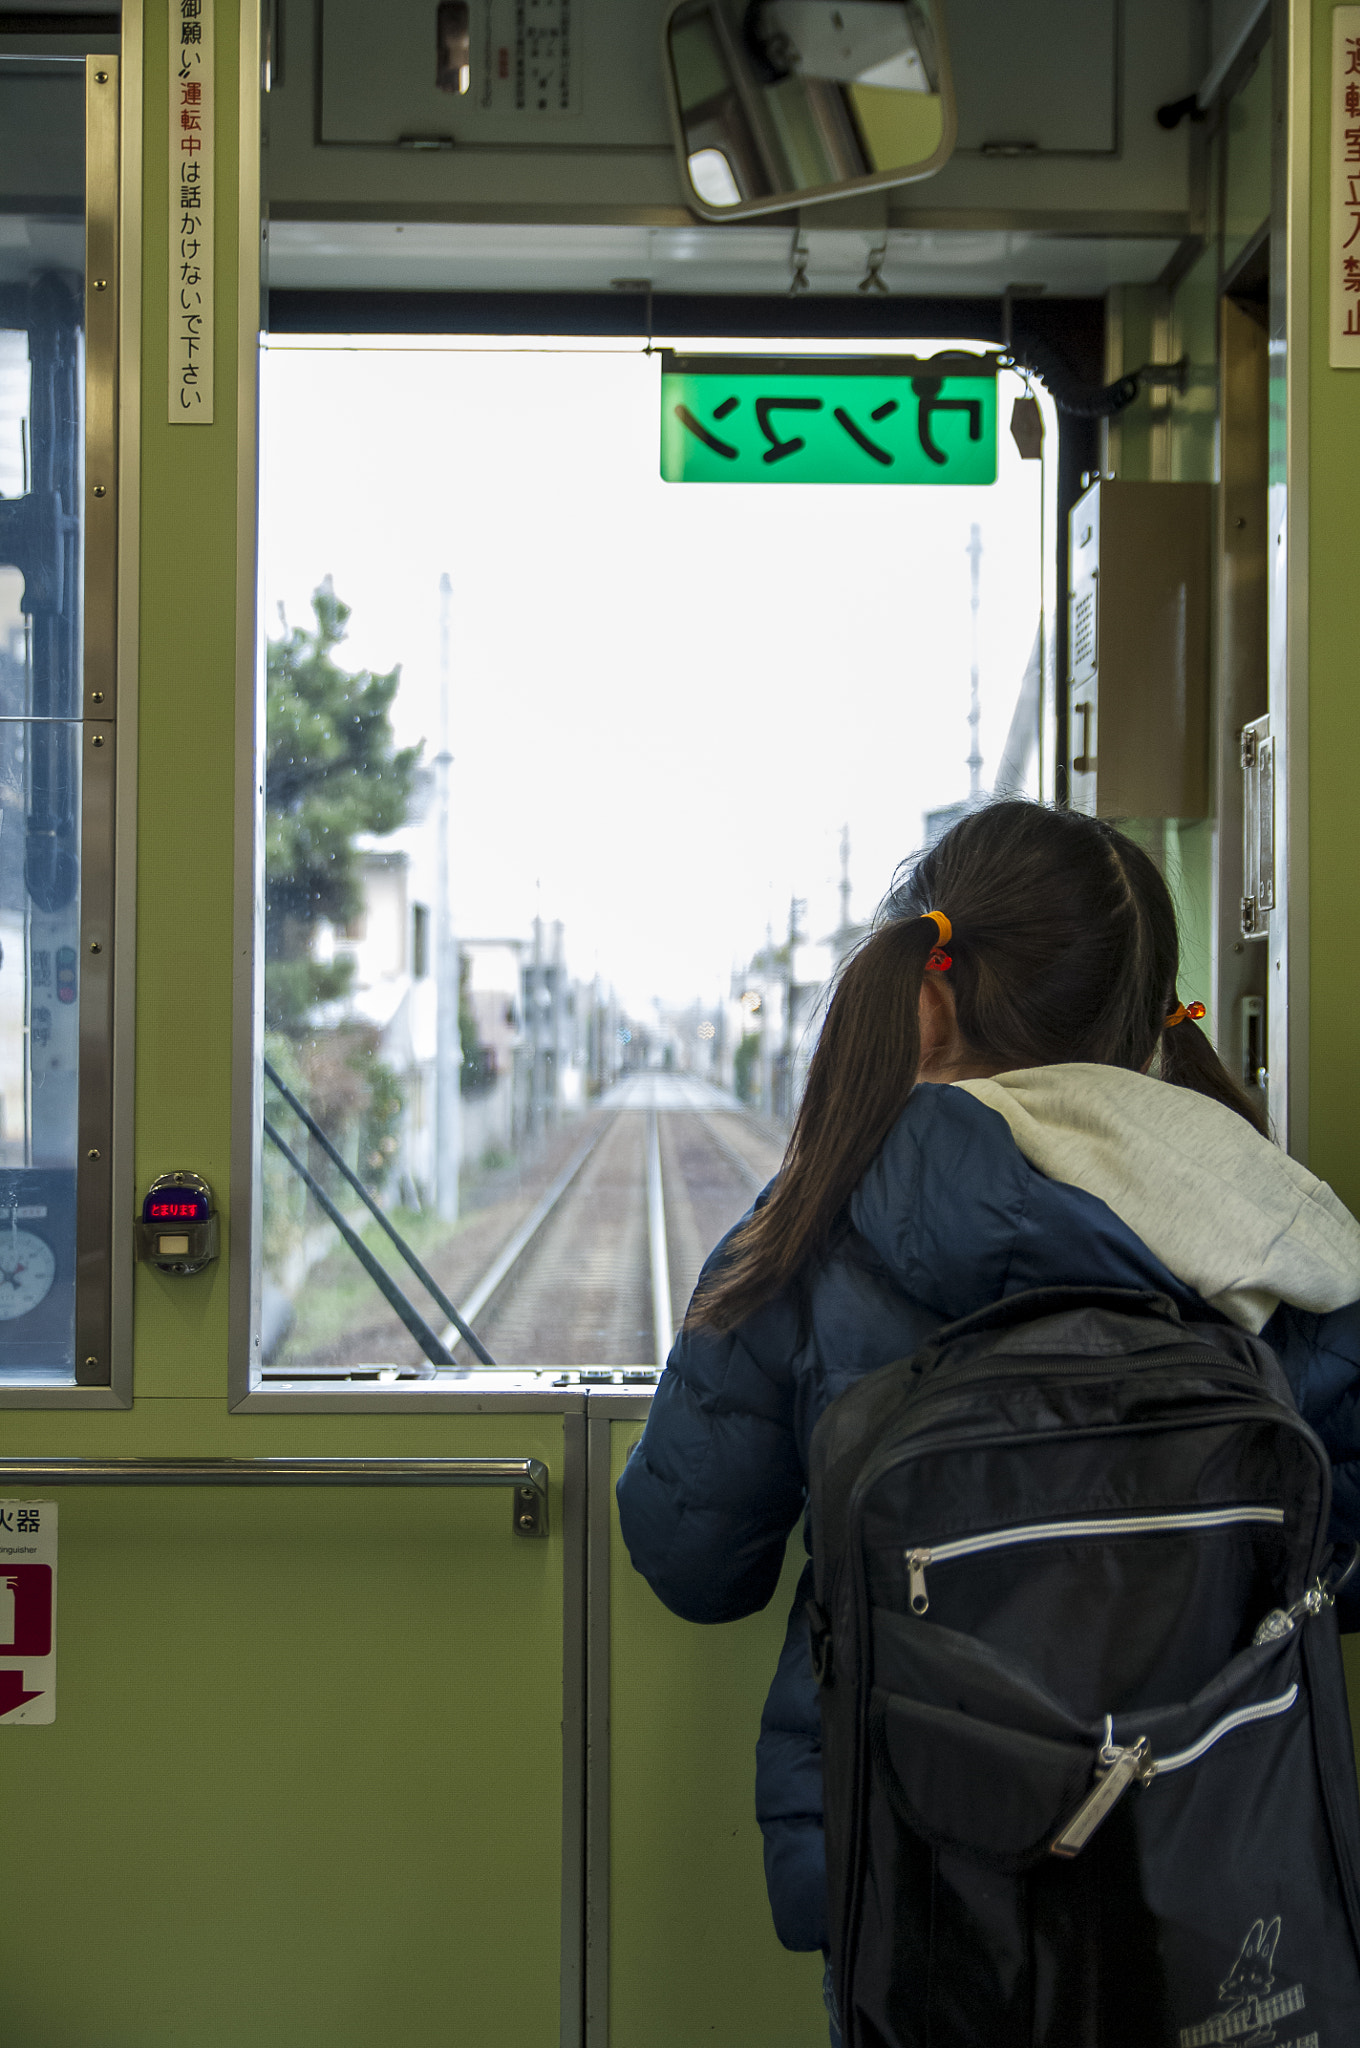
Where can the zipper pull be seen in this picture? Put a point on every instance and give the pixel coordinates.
(917, 1560)
(1123, 1766)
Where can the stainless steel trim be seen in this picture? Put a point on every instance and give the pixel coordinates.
(572, 2025)
(529, 1477)
(1288, 990)
(97, 739)
(247, 1090)
(410, 1397)
(599, 1497)
(94, 1152)
(100, 513)
(128, 616)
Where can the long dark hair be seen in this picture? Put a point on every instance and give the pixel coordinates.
(1064, 948)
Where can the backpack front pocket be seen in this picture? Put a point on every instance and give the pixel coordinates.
(1180, 1580)
(966, 1784)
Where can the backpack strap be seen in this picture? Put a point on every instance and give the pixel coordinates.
(1036, 1302)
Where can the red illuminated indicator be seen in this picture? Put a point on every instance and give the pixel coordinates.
(163, 1212)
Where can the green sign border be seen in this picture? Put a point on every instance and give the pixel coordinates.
(829, 419)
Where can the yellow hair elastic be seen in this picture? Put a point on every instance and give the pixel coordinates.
(942, 924)
(1183, 1010)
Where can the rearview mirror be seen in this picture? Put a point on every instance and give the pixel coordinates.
(776, 103)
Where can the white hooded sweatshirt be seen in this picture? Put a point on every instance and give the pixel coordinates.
(1223, 1209)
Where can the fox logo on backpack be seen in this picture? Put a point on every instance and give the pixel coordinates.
(1087, 1757)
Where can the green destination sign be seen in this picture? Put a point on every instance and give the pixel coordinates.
(828, 419)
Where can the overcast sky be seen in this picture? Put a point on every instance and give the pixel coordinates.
(667, 699)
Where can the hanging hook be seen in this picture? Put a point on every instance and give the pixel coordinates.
(873, 279)
(798, 259)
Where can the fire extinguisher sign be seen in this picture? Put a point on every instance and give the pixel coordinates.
(28, 1612)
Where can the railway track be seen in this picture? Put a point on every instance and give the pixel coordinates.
(603, 1274)
(599, 1269)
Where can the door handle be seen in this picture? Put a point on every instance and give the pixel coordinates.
(1083, 760)
(527, 1477)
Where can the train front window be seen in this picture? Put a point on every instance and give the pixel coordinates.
(578, 785)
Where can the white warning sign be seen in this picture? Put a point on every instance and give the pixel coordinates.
(28, 1611)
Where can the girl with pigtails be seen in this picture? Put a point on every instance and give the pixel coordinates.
(1007, 1094)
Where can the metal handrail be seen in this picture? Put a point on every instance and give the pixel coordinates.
(529, 1477)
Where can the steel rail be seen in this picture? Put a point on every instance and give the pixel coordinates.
(529, 1477)
(514, 1249)
(750, 1174)
(663, 1331)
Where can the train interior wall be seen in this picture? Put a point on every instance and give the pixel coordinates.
(367, 1765)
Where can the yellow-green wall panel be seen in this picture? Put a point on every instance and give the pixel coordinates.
(186, 737)
(304, 1786)
(693, 1954)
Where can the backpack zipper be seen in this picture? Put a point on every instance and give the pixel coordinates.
(1134, 1762)
(1043, 1532)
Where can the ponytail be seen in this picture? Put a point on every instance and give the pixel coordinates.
(1063, 948)
(1188, 1060)
(859, 1079)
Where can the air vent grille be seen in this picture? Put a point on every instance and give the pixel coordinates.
(1084, 631)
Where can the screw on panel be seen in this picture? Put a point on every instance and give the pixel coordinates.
(96, 696)
(97, 739)
(95, 946)
(101, 284)
(92, 1153)
(90, 1362)
(100, 491)
(101, 78)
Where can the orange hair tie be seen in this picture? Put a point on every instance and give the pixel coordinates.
(942, 925)
(1183, 1010)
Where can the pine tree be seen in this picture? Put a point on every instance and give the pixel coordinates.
(331, 773)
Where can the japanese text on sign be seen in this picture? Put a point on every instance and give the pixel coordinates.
(191, 212)
(828, 420)
(1344, 251)
(28, 1612)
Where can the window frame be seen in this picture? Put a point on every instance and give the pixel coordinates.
(102, 1360)
(614, 314)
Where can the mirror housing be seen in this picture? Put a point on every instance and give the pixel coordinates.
(780, 103)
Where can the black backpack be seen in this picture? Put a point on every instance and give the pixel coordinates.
(1088, 1771)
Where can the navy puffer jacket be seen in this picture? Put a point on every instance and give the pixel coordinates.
(949, 1218)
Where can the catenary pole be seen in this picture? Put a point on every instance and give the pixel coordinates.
(448, 1137)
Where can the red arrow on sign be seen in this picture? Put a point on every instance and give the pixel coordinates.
(12, 1692)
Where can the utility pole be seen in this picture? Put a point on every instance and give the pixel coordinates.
(845, 878)
(535, 1006)
(795, 939)
(974, 699)
(448, 1107)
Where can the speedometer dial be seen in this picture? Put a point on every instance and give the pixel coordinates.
(27, 1270)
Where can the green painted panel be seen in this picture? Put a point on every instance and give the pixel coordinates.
(304, 1786)
(831, 420)
(693, 1953)
(186, 744)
